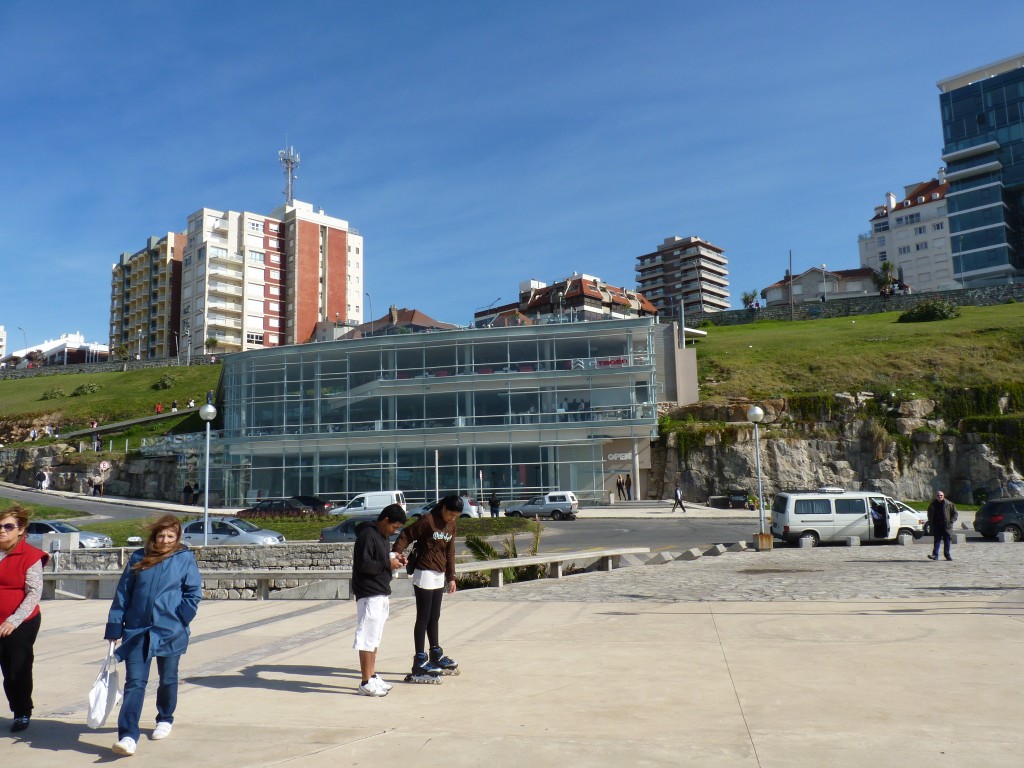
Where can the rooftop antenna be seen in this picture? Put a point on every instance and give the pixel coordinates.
(289, 161)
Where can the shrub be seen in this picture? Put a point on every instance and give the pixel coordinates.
(932, 309)
(167, 381)
(86, 389)
(53, 393)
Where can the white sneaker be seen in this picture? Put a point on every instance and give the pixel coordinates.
(370, 688)
(125, 746)
(162, 731)
(382, 683)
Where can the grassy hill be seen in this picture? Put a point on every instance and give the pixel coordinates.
(867, 353)
(120, 395)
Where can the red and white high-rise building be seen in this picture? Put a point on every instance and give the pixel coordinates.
(250, 280)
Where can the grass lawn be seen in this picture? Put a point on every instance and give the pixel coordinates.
(865, 353)
(42, 511)
(122, 395)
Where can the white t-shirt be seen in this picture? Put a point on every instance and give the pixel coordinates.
(428, 579)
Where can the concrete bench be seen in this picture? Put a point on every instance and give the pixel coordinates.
(599, 560)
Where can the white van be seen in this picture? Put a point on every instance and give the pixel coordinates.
(830, 514)
(370, 503)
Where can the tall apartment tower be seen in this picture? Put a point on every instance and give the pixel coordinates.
(684, 270)
(983, 131)
(145, 291)
(3, 342)
(251, 281)
(912, 234)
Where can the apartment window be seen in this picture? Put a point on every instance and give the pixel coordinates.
(273, 338)
(913, 218)
(254, 338)
(215, 251)
(275, 274)
(357, 250)
(273, 290)
(275, 258)
(883, 256)
(274, 227)
(254, 305)
(273, 242)
(920, 230)
(256, 226)
(257, 256)
(921, 247)
(939, 225)
(274, 306)
(274, 322)
(881, 226)
(880, 240)
(188, 260)
(201, 254)
(904, 249)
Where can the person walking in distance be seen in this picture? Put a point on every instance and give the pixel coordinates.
(372, 564)
(629, 487)
(156, 600)
(495, 504)
(941, 516)
(21, 587)
(433, 563)
(186, 493)
(678, 496)
(620, 487)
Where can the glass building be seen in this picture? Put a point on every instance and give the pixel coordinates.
(983, 130)
(516, 410)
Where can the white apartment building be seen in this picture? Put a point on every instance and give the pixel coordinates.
(913, 234)
(251, 281)
(684, 271)
(3, 342)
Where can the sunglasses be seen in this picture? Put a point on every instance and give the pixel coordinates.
(9, 527)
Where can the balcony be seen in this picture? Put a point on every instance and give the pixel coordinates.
(225, 289)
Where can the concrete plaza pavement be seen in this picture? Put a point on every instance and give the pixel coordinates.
(834, 656)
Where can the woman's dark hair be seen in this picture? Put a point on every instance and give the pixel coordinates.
(450, 503)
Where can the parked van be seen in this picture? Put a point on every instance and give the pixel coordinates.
(370, 503)
(831, 514)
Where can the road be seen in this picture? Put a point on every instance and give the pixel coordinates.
(98, 509)
(659, 535)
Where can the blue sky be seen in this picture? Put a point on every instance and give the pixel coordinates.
(473, 144)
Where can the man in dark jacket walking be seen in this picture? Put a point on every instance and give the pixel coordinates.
(372, 564)
(941, 516)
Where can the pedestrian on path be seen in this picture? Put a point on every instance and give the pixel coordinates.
(186, 493)
(372, 566)
(156, 600)
(678, 496)
(629, 487)
(196, 490)
(495, 504)
(620, 487)
(941, 516)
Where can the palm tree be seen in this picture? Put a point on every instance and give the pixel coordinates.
(749, 297)
(885, 278)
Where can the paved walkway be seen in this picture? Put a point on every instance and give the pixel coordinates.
(834, 656)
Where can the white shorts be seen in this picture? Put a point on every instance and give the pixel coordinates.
(372, 613)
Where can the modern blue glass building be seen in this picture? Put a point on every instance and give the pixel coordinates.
(983, 131)
(516, 410)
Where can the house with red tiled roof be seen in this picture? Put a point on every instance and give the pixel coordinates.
(821, 284)
(577, 298)
(912, 233)
(394, 322)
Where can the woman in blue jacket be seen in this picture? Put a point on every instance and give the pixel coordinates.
(157, 598)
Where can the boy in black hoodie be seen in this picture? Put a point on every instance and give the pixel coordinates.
(372, 564)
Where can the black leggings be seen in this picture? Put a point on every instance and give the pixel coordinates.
(428, 614)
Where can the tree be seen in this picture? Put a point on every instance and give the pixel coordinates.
(885, 278)
(121, 352)
(211, 343)
(749, 297)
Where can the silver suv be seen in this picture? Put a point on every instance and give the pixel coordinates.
(558, 505)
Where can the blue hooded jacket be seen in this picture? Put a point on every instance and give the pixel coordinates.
(157, 604)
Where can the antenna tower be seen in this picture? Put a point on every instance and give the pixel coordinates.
(289, 161)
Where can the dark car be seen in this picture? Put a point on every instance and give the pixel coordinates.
(277, 507)
(1001, 516)
(318, 505)
(346, 530)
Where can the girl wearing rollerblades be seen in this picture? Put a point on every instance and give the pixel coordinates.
(433, 556)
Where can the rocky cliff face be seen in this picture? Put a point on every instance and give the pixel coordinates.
(851, 450)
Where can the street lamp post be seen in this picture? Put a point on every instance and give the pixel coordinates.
(24, 337)
(824, 286)
(369, 302)
(207, 413)
(763, 540)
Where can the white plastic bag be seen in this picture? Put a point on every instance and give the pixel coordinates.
(104, 694)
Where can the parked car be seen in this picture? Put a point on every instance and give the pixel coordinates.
(372, 501)
(558, 505)
(277, 507)
(1001, 516)
(469, 508)
(318, 505)
(230, 530)
(346, 529)
(86, 539)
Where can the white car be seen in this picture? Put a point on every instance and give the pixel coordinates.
(229, 530)
(558, 505)
(469, 508)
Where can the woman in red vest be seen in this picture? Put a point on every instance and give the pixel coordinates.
(21, 586)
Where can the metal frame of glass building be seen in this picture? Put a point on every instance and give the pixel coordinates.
(516, 410)
(983, 129)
